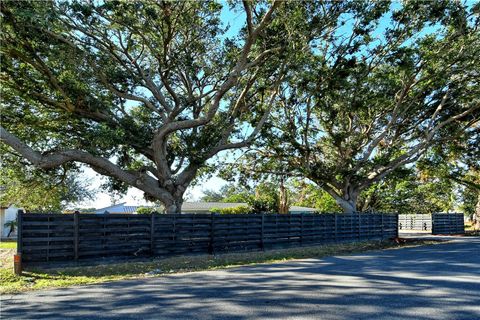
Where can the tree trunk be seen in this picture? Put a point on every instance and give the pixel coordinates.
(348, 200)
(348, 206)
(283, 199)
(476, 216)
(174, 206)
(173, 203)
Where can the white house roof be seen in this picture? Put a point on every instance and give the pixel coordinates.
(118, 208)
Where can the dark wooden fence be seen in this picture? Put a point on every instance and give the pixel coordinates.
(417, 222)
(448, 223)
(64, 237)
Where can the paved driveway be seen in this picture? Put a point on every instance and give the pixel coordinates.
(430, 282)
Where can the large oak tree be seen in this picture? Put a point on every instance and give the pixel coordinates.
(144, 92)
(373, 93)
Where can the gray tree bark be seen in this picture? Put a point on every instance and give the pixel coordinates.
(476, 216)
(283, 199)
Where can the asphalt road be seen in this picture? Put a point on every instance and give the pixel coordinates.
(431, 282)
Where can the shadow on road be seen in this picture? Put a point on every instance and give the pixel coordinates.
(430, 282)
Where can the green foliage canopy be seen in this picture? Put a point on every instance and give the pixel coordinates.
(37, 191)
(143, 92)
(372, 93)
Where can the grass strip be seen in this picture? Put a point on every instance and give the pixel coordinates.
(8, 245)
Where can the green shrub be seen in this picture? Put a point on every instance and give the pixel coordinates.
(144, 210)
(233, 210)
(265, 205)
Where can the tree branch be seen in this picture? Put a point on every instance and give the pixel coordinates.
(45, 161)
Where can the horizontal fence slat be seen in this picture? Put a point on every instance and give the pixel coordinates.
(448, 223)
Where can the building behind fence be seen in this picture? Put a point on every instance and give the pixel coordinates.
(61, 237)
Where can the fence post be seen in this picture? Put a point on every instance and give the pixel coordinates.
(462, 223)
(262, 244)
(75, 235)
(383, 228)
(301, 229)
(17, 258)
(359, 226)
(174, 237)
(210, 244)
(433, 223)
(397, 234)
(152, 234)
(19, 231)
(336, 227)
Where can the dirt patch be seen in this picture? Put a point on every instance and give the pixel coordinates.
(6, 258)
